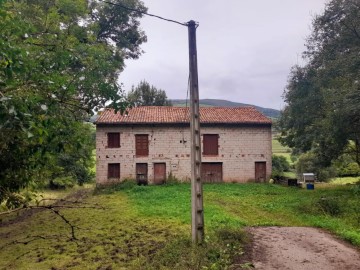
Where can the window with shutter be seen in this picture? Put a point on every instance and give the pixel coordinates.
(113, 140)
(114, 170)
(142, 144)
(211, 144)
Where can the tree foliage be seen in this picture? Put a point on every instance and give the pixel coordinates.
(323, 97)
(59, 61)
(309, 163)
(145, 95)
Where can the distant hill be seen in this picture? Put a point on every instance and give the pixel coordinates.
(225, 103)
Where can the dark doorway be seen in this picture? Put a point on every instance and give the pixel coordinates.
(159, 173)
(211, 172)
(260, 172)
(142, 173)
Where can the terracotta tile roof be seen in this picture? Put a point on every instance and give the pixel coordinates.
(176, 115)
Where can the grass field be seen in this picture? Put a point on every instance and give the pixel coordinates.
(344, 181)
(279, 150)
(149, 227)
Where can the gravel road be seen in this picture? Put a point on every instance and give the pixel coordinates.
(301, 248)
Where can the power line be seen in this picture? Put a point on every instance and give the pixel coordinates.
(143, 12)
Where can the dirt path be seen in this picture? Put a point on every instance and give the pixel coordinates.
(298, 248)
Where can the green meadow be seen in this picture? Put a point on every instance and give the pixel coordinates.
(148, 227)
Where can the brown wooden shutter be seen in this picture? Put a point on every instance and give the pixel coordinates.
(211, 144)
(142, 144)
(114, 170)
(113, 140)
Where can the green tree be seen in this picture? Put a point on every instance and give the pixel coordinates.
(145, 95)
(323, 97)
(309, 163)
(59, 61)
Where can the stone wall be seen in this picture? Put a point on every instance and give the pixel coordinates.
(239, 149)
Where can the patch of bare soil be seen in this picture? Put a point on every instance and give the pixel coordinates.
(298, 248)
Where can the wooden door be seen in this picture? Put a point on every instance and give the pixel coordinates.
(159, 173)
(211, 172)
(142, 173)
(260, 172)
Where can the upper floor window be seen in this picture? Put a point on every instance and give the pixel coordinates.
(113, 140)
(142, 144)
(211, 144)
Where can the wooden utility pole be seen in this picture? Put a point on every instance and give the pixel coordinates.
(197, 210)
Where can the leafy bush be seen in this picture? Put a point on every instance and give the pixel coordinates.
(15, 200)
(350, 169)
(62, 182)
(279, 165)
(330, 206)
(324, 174)
(172, 180)
(346, 163)
(325, 205)
(308, 163)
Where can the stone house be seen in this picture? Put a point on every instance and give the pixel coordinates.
(150, 143)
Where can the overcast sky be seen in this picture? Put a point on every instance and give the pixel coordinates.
(245, 47)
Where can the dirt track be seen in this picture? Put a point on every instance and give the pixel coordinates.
(298, 248)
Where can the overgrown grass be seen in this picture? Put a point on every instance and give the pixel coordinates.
(344, 180)
(148, 227)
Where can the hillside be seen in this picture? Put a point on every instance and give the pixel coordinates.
(225, 103)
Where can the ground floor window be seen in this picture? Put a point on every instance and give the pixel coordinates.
(114, 170)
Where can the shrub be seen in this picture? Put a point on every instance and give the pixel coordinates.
(350, 169)
(308, 163)
(325, 205)
(279, 165)
(15, 200)
(172, 180)
(62, 182)
(330, 206)
(346, 164)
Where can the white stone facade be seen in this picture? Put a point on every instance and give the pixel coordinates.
(239, 148)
